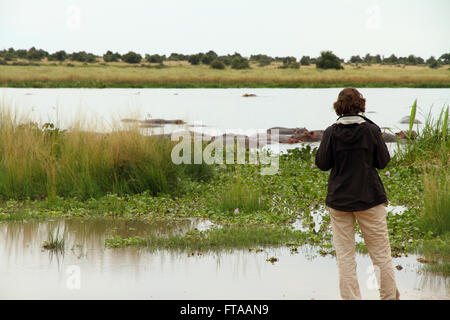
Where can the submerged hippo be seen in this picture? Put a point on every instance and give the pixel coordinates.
(311, 136)
(389, 137)
(162, 121)
(304, 135)
(231, 138)
(404, 134)
(405, 119)
(282, 130)
(153, 121)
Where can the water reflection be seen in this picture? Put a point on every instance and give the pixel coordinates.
(27, 271)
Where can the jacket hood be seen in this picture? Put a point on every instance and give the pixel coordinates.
(348, 129)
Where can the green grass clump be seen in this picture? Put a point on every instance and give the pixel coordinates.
(436, 212)
(241, 197)
(54, 242)
(236, 237)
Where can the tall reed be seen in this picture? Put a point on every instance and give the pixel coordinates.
(431, 142)
(436, 213)
(38, 162)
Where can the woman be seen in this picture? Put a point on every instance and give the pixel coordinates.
(352, 148)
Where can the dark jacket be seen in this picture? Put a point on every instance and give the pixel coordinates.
(352, 152)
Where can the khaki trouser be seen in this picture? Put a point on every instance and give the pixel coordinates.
(372, 223)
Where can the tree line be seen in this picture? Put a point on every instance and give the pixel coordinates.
(326, 60)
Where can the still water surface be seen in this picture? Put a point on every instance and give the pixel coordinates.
(222, 109)
(29, 272)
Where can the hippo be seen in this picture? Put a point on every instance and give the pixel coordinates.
(128, 120)
(150, 125)
(404, 134)
(282, 130)
(231, 138)
(389, 137)
(283, 139)
(405, 119)
(299, 132)
(303, 135)
(162, 121)
(311, 136)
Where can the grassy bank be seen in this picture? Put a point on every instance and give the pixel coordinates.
(186, 76)
(46, 162)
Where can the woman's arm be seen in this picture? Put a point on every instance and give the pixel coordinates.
(324, 156)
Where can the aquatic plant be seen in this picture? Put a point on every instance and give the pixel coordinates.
(54, 242)
(437, 254)
(234, 236)
(431, 142)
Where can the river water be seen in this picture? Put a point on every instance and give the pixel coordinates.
(221, 109)
(88, 270)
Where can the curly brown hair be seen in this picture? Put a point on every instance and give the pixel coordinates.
(350, 101)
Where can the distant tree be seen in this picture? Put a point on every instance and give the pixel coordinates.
(58, 56)
(288, 60)
(194, 59)
(432, 63)
(261, 59)
(34, 54)
(239, 62)
(411, 60)
(208, 57)
(236, 55)
(21, 53)
(367, 58)
(111, 57)
(392, 59)
(155, 58)
(7, 55)
(178, 57)
(217, 64)
(376, 59)
(226, 60)
(132, 57)
(445, 58)
(328, 60)
(82, 56)
(305, 61)
(355, 59)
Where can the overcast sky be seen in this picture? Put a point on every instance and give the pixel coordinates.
(273, 27)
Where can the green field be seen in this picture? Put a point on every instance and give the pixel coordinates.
(183, 75)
